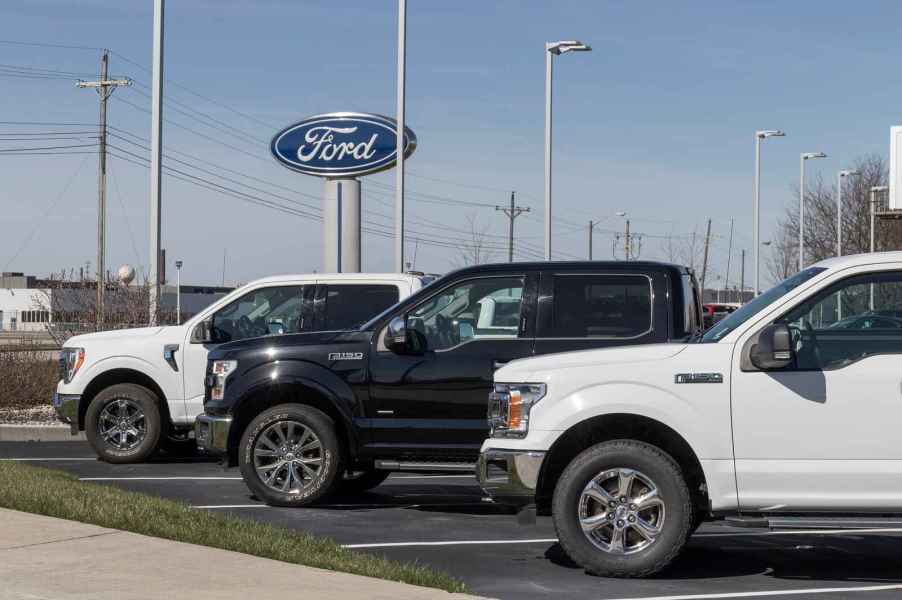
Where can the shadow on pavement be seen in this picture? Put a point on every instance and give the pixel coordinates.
(871, 560)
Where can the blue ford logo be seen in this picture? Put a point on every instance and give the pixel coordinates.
(341, 144)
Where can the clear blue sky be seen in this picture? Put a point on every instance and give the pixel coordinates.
(658, 120)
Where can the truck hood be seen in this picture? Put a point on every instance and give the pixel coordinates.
(526, 369)
(118, 335)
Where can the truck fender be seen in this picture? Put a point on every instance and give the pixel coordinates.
(267, 376)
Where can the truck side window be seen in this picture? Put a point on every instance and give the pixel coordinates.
(352, 305)
(264, 311)
(608, 306)
(487, 308)
(852, 319)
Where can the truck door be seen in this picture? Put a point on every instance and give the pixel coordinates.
(437, 397)
(581, 310)
(823, 433)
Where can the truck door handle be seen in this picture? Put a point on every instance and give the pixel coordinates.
(497, 364)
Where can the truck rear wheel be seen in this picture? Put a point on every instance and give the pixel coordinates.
(290, 456)
(123, 423)
(622, 509)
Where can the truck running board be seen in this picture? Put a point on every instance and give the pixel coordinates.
(772, 522)
(448, 467)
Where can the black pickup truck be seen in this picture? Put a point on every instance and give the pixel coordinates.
(306, 414)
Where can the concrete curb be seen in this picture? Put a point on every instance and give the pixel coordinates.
(39, 433)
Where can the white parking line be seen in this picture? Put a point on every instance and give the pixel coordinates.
(452, 543)
(706, 535)
(48, 459)
(159, 478)
(838, 590)
(215, 506)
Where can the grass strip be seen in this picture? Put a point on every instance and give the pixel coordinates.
(59, 494)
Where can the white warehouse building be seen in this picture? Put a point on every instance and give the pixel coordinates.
(24, 309)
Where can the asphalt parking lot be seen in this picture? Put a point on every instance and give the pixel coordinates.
(442, 521)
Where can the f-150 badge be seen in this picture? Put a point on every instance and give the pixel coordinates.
(345, 355)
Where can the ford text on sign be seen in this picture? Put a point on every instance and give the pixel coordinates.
(341, 144)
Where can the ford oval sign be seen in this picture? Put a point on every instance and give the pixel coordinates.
(341, 144)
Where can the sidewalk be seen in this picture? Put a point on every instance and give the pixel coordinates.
(44, 557)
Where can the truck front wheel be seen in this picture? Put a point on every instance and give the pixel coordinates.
(290, 456)
(622, 509)
(123, 423)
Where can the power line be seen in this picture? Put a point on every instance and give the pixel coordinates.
(5, 150)
(46, 214)
(47, 45)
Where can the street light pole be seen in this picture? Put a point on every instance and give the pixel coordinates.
(756, 220)
(551, 50)
(399, 148)
(839, 178)
(805, 157)
(178, 292)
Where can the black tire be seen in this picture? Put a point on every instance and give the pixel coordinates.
(357, 482)
(136, 447)
(303, 417)
(653, 464)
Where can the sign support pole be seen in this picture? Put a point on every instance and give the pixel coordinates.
(156, 156)
(341, 225)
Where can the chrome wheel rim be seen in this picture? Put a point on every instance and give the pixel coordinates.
(122, 424)
(621, 511)
(288, 457)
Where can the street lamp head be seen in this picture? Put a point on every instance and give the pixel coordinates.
(766, 133)
(620, 213)
(848, 173)
(809, 155)
(567, 46)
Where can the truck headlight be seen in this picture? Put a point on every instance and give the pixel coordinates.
(219, 373)
(71, 360)
(509, 408)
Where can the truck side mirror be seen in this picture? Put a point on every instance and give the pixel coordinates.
(203, 332)
(396, 337)
(774, 348)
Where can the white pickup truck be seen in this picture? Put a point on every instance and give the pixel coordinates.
(132, 390)
(787, 411)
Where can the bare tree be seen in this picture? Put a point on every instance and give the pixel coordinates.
(476, 248)
(784, 258)
(71, 306)
(687, 250)
(820, 218)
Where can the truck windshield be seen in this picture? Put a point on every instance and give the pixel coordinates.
(746, 311)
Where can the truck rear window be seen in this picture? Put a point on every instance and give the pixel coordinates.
(608, 306)
(350, 306)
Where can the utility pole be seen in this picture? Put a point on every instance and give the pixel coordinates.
(705, 259)
(105, 87)
(512, 213)
(591, 228)
(726, 282)
(742, 279)
(626, 241)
